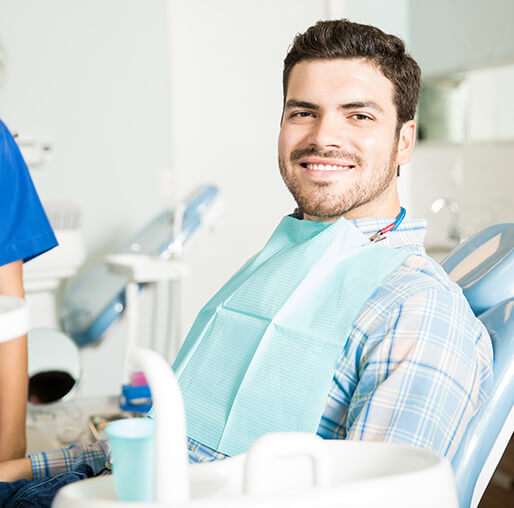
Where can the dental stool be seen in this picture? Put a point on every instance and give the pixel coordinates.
(483, 266)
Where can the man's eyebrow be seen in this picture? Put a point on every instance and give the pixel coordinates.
(292, 103)
(364, 104)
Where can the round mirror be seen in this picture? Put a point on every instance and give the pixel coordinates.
(54, 366)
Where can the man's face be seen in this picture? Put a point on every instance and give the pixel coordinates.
(338, 146)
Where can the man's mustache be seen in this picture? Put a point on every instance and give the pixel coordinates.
(329, 154)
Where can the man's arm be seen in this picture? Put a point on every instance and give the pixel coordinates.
(423, 373)
(54, 462)
(13, 375)
(97, 455)
(17, 469)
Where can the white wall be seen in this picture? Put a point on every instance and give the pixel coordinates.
(478, 176)
(392, 16)
(91, 78)
(449, 36)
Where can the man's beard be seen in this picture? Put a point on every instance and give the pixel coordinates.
(323, 202)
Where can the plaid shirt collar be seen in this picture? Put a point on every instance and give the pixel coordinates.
(409, 232)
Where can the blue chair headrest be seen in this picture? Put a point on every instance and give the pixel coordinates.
(483, 267)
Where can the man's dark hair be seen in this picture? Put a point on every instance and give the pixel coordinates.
(341, 38)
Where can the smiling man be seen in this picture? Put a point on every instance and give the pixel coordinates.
(325, 330)
(345, 127)
(339, 146)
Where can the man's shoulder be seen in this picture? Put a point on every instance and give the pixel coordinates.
(420, 278)
(417, 273)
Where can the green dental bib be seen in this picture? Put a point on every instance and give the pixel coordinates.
(261, 354)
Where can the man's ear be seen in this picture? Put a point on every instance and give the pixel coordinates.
(406, 140)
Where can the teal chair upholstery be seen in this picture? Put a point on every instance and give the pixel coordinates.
(484, 268)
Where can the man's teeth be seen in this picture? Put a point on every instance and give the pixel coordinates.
(324, 167)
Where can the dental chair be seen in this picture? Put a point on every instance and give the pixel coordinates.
(366, 473)
(483, 267)
(97, 298)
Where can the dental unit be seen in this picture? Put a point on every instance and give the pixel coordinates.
(97, 298)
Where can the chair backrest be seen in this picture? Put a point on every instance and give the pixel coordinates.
(484, 268)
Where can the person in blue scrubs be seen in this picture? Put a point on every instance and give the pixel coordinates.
(24, 234)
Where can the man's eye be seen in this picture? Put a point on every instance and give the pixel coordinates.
(361, 116)
(301, 114)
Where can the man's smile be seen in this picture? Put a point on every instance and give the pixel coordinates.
(323, 167)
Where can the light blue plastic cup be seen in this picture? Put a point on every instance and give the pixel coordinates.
(133, 456)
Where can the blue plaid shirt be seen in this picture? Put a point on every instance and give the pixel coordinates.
(416, 368)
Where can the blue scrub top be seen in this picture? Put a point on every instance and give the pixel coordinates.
(24, 228)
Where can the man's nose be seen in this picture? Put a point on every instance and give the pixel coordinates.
(329, 132)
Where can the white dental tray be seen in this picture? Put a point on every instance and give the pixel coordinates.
(363, 474)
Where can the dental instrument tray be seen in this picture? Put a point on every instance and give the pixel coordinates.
(96, 299)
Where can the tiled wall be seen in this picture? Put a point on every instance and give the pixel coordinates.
(478, 176)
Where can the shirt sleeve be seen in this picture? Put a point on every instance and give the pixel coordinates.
(25, 231)
(48, 464)
(97, 455)
(424, 371)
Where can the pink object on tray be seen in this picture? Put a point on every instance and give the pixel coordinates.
(138, 379)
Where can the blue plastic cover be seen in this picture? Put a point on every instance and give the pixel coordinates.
(96, 298)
